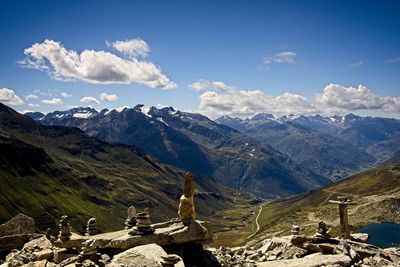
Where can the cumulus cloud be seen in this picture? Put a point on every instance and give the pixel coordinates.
(99, 67)
(108, 97)
(132, 48)
(90, 100)
(350, 98)
(65, 95)
(392, 60)
(30, 97)
(334, 99)
(285, 57)
(53, 101)
(202, 85)
(8, 96)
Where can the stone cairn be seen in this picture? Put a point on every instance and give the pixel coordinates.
(170, 260)
(143, 224)
(130, 220)
(65, 229)
(295, 229)
(186, 210)
(91, 228)
(322, 230)
(88, 251)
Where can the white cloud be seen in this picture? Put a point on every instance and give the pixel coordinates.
(108, 97)
(133, 48)
(90, 100)
(65, 95)
(99, 67)
(335, 99)
(392, 60)
(349, 98)
(202, 85)
(285, 57)
(53, 101)
(33, 105)
(30, 97)
(8, 96)
(356, 64)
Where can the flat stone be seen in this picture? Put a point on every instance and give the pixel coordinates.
(360, 237)
(172, 234)
(313, 260)
(45, 254)
(62, 254)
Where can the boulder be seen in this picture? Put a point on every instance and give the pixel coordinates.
(16, 232)
(37, 243)
(141, 256)
(16, 241)
(360, 237)
(62, 254)
(20, 224)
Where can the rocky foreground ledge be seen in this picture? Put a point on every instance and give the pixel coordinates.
(182, 242)
(309, 251)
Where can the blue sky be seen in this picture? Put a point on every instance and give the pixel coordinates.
(245, 57)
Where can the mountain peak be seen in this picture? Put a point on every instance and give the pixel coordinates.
(263, 117)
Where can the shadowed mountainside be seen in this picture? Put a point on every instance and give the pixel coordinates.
(196, 143)
(48, 171)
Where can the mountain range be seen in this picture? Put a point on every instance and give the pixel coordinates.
(194, 142)
(334, 147)
(49, 171)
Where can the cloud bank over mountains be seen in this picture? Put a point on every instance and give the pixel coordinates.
(98, 67)
(217, 99)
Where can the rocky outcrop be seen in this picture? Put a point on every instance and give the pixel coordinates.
(16, 232)
(20, 224)
(308, 251)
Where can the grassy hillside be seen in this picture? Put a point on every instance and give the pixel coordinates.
(376, 194)
(48, 171)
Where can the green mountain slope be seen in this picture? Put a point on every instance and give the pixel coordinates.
(47, 171)
(376, 194)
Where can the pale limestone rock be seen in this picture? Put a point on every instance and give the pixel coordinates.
(41, 243)
(360, 237)
(141, 256)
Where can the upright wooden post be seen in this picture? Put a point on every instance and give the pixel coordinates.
(343, 202)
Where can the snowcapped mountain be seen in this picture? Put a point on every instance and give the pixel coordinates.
(194, 142)
(332, 146)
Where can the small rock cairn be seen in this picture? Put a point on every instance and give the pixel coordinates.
(91, 228)
(143, 224)
(322, 230)
(65, 229)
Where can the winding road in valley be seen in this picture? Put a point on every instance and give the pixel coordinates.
(256, 221)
